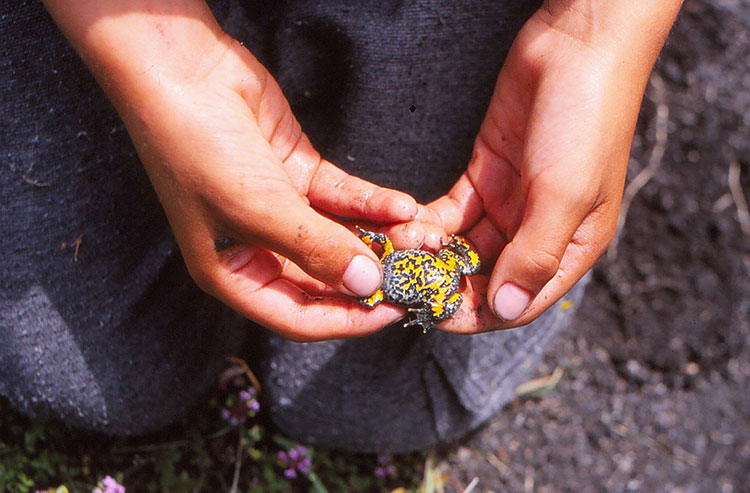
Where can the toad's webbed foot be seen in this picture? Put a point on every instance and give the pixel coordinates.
(425, 322)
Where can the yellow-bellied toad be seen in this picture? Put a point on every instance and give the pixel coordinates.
(427, 283)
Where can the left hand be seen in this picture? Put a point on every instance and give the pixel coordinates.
(542, 191)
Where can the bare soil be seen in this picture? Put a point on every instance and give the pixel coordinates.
(657, 365)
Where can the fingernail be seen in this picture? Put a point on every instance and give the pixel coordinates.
(511, 301)
(362, 277)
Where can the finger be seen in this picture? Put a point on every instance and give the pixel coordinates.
(258, 205)
(340, 193)
(488, 241)
(321, 247)
(432, 227)
(555, 208)
(254, 283)
(404, 236)
(460, 208)
(589, 242)
(294, 274)
(279, 220)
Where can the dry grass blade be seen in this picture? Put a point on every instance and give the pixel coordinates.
(738, 196)
(250, 375)
(541, 384)
(473, 484)
(237, 461)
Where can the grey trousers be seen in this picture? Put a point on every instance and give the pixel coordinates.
(100, 324)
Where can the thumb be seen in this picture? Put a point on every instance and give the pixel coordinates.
(554, 211)
(323, 248)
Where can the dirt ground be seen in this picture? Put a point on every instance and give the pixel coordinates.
(655, 393)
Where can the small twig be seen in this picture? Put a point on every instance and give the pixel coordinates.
(528, 481)
(504, 470)
(743, 215)
(77, 245)
(499, 465)
(722, 203)
(237, 460)
(654, 161)
(672, 451)
(541, 384)
(473, 484)
(35, 182)
(250, 375)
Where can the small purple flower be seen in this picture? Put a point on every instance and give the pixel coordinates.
(294, 454)
(383, 472)
(304, 466)
(228, 416)
(240, 407)
(109, 485)
(385, 468)
(295, 460)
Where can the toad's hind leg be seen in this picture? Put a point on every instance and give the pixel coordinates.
(435, 312)
(368, 237)
(373, 300)
(451, 305)
(426, 322)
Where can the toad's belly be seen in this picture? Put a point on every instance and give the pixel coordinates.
(413, 277)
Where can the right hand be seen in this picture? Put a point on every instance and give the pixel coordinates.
(228, 160)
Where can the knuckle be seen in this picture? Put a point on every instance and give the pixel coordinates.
(286, 134)
(598, 229)
(574, 193)
(316, 253)
(540, 265)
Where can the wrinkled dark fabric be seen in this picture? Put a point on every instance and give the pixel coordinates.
(93, 328)
(100, 324)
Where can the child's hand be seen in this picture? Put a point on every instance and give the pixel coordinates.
(249, 199)
(542, 192)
